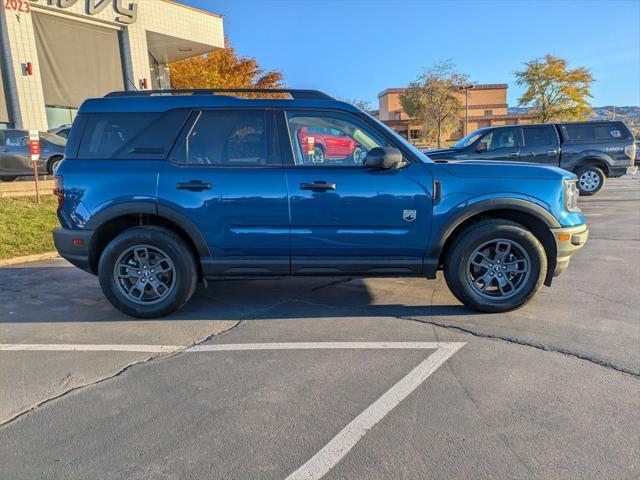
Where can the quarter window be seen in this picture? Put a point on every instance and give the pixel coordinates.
(225, 138)
(330, 140)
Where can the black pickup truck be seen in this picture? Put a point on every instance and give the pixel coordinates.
(592, 150)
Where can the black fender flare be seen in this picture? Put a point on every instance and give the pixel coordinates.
(592, 157)
(515, 204)
(149, 207)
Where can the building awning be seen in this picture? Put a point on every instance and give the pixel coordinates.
(166, 49)
(77, 60)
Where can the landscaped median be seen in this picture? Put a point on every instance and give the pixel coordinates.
(25, 225)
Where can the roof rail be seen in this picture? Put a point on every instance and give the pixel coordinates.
(294, 93)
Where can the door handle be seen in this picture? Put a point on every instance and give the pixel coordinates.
(514, 154)
(194, 186)
(318, 185)
(552, 152)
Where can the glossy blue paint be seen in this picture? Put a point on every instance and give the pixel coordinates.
(363, 216)
(261, 212)
(245, 213)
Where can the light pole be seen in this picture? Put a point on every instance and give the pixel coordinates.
(466, 89)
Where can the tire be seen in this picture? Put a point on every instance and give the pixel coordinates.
(591, 179)
(356, 154)
(158, 294)
(8, 179)
(52, 164)
(317, 157)
(466, 279)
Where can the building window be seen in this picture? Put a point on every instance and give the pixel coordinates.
(488, 113)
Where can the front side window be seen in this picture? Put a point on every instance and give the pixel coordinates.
(502, 138)
(330, 140)
(537, 136)
(225, 138)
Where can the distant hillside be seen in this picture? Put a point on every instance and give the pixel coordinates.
(629, 115)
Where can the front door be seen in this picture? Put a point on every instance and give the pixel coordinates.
(15, 157)
(225, 176)
(348, 219)
(502, 144)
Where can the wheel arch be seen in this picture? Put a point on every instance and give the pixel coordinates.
(592, 159)
(109, 223)
(529, 215)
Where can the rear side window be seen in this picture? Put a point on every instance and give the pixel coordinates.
(225, 138)
(596, 132)
(537, 136)
(130, 135)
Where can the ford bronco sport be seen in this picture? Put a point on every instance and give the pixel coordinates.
(162, 189)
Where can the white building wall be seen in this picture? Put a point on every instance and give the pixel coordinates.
(26, 99)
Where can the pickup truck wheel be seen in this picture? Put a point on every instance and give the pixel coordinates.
(495, 266)
(591, 179)
(8, 179)
(147, 272)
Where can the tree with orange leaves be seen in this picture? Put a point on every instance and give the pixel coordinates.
(222, 68)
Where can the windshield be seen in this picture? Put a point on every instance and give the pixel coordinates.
(402, 140)
(468, 140)
(55, 139)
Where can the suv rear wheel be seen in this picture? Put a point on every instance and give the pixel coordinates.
(495, 266)
(591, 179)
(148, 272)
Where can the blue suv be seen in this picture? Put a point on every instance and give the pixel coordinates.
(162, 189)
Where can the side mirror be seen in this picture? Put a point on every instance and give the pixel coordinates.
(481, 147)
(382, 158)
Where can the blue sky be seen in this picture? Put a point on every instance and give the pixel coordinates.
(356, 48)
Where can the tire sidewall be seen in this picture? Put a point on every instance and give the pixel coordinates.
(173, 246)
(456, 268)
(598, 171)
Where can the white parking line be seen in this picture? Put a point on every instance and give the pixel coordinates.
(334, 451)
(339, 446)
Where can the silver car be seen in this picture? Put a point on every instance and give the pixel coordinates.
(15, 157)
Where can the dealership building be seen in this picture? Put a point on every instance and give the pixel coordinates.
(56, 53)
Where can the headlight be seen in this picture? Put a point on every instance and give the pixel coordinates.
(571, 195)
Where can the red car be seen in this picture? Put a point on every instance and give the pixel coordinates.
(322, 144)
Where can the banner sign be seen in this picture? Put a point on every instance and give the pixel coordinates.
(126, 11)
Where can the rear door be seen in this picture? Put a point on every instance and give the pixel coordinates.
(225, 176)
(540, 144)
(346, 218)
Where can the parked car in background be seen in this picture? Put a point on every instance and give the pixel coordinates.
(158, 192)
(591, 150)
(329, 144)
(61, 131)
(15, 156)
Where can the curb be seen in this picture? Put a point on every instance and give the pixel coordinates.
(28, 258)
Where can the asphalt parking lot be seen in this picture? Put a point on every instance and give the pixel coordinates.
(332, 378)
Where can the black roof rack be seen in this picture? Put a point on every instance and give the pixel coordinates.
(294, 93)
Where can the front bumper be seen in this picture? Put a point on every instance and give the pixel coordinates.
(568, 241)
(74, 246)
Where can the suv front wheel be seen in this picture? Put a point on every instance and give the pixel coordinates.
(495, 266)
(148, 272)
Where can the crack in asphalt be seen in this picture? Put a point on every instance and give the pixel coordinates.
(146, 361)
(491, 336)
